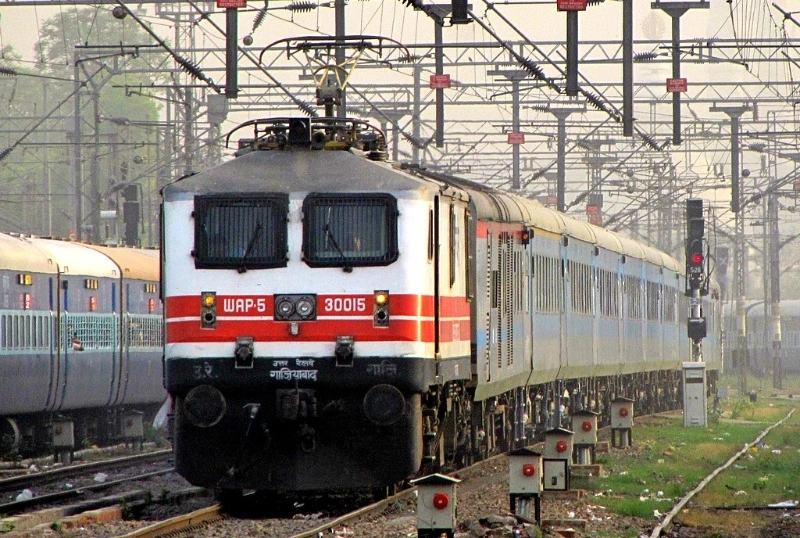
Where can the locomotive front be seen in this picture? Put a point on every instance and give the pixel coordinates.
(297, 311)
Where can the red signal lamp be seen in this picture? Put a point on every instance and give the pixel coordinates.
(586, 426)
(623, 411)
(528, 470)
(440, 501)
(561, 446)
(697, 258)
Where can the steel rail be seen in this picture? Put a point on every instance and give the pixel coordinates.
(21, 481)
(178, 523)
(327, 529)
(680, 504)
(17, 506)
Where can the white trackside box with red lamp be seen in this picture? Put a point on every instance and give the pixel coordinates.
(436, 505)
(621, 422)
(525, 482)
(557, 459)
(584, 424)
(622, 413)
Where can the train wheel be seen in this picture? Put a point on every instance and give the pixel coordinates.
(9, 436)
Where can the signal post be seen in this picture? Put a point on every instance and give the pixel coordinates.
(694, 374)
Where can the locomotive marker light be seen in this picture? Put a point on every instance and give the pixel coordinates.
(584, 424)
(694, 377)
(525, 482)
(621, 422)
(436, 505)
(208, 310)
(380, 314)
(557, 459)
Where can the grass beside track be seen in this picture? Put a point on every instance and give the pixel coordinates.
(667, 460)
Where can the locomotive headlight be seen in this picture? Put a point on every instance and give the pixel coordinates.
(204, 406)
(285, 308)
(305, 307)
(295, 307)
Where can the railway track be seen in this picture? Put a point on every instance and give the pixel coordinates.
(51, 475)
(212, 516)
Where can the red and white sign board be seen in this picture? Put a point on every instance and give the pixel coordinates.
(516, 138)
(676, 85)
(594, 214)
(225, 4)
(571, 5)
(440, 82)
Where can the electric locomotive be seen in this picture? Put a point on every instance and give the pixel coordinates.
(336, 321)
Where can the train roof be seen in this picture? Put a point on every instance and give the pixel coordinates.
(501, 206)
(294, 171)
(76, 258)
(17, 254)
(134, 263)
(321, 171)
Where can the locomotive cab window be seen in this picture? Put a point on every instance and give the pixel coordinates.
(349, 230)
(244, 231)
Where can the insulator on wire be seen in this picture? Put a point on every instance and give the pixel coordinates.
(413, 141)
(260, 16)
(307, 108)
(594, 2)
(8, 72)
(644, 56)
(191, 69)
(650, 141)
(302, 7)
(533, 69)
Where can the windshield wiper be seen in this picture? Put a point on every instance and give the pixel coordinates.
(249, 249)
(329, 234)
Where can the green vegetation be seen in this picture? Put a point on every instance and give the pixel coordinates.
(6, 526)
(667, 460)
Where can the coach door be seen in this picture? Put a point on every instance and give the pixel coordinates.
(452, 317)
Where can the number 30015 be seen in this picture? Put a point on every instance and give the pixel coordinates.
(346, 304)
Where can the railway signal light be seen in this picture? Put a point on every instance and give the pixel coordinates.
(696, 273)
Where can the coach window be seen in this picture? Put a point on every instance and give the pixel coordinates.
(240, 231)
(349, 230)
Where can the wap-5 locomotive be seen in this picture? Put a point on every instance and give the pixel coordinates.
(336, 321)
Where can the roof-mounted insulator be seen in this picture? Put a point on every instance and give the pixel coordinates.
(594, 2)
(644, 56)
